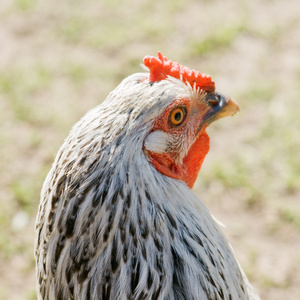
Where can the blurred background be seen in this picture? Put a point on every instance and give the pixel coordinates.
(58, 59)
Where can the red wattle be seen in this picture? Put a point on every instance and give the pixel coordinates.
(190, 167)
(193, 161)
(165, 164)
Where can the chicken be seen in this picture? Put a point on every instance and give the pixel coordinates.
(117, 217)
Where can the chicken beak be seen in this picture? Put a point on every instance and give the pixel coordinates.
(220, 107)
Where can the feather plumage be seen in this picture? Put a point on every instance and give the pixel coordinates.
(110, 226)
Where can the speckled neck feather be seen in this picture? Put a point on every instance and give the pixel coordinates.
(110, 226)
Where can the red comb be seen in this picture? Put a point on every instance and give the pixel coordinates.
(160, 67)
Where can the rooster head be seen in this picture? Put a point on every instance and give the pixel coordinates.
(178, 143)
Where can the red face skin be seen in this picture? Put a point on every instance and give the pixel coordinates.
(200, 113)
(167, 163)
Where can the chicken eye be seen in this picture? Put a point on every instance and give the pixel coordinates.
(177, 116)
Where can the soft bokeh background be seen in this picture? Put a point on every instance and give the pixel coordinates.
(58, 59)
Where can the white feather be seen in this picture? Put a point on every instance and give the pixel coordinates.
(157, 141)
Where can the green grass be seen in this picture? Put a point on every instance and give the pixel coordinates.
(25, 5)
(24, 192)
(219, 40)
(20, 85)
(290, 216)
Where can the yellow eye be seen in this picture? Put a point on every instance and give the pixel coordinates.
(177, 116)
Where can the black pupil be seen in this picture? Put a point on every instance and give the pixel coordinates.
(178, 116)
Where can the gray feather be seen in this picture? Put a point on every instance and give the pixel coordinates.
(112, 227)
